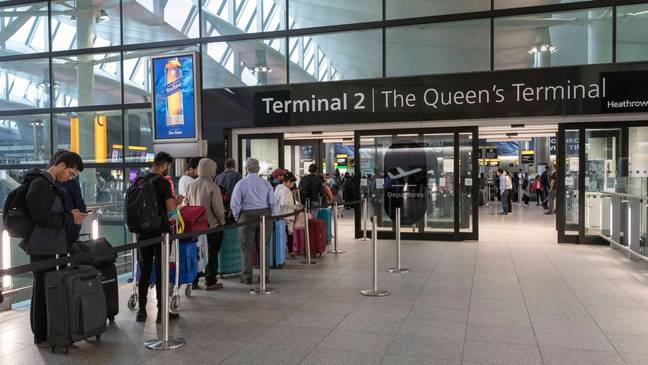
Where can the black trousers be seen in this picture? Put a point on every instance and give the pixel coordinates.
(510, 198)
(146, 256)
(290, 238)
(214, 243)
(539, 195)
(38, 310)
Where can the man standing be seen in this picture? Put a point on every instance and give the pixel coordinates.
(545, 186)
(46, 205)
(551, 199)
(166, 211)
(228, 179)
(191, 172)
(503, 191)
(311, 187)
(252, 198)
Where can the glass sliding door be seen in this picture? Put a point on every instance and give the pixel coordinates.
(267, 148)
(427, 174)
(299, 154)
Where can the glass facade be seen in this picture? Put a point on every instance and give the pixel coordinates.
(75, 74)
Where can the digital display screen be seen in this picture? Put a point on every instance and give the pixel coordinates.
(174, 95)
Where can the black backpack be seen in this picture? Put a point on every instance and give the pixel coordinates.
(142, 209)
(16, 217)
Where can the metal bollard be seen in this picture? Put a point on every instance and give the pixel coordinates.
(398, 269)
(165, 343)
(309, 261)
(263, 261)
(365, 213)
(335, 250)
(374, 291)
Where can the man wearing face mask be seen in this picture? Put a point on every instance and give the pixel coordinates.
(166, 210)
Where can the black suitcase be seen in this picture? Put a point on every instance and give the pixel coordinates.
(111, 289)
(98, 251)
(76, 306)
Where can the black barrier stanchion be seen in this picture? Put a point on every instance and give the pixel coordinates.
(165, 343)
(335, 249)
(398, 269)
(374, 291)
(307, 250)
(263, 261)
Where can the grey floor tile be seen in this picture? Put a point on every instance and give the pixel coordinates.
(313, 319)
(390, 359)
(498, 305)
(382, 309)
(258, 316)
(567, 356)
(452, 330)
(258, 353)
(372, 323)
(341, 357)
(635, 359)
(501, 353)
(519, 319)
(427, 347)
(328, 306)
(236, 331)
(501, 334)
(573, 338)
(630, 343)
(624, 326)
(297, 336)
(358, 341)
(435, 313)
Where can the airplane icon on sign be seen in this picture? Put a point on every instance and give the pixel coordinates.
(402, 173)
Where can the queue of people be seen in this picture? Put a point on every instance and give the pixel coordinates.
(513, 186)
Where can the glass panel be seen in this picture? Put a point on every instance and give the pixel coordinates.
(264, 150)
(602, 174)
(139, 136)
(466, 181)
(336, 56)
(95, 136)
(500, 4)
(92, 79)
(638, 161)
(23, 29)
(224, 17)
(440, 159)
(632, 27)
(137, 82)
(25, 139)
(156, 21)
(85, 24)
(244, 63)
(559, 39)
(572, 145)
(416, 8)
(316, 13)
(438, 48)
(24, 84)
(372, 156)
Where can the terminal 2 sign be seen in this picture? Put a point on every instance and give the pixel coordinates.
(579, 90)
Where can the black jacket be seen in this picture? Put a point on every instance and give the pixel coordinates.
(46, 204)
(311, 188)
(73, 200)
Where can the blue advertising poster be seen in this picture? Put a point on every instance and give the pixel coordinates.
(174, 95)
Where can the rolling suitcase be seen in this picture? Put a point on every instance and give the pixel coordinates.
(277, 247)
(111, 290)
(316, 236)
(326, 215)
(229, 257)
(187, 262)
(76, 306)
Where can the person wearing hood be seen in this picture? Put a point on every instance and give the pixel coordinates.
(204, 192)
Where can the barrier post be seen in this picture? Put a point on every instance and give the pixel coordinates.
(165, 343)
(335, 250)
(307, 250)
(374, 291)
(263, 261)
(365, 213)
(398, 269)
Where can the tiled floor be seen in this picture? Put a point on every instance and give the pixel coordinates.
(516, 297)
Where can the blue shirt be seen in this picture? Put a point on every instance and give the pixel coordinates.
(252, 192)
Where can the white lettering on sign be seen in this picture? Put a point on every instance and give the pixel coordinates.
(559, 92)
(314, 104)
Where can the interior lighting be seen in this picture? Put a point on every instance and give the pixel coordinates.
(95, 229)
(102, 17)
(546, 47)
(639, 13)
(6, 258)
(261, 69)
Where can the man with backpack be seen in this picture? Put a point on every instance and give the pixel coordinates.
(227, 180)
(151, 209)
(545, 187)
(36, 212)
(311, 187)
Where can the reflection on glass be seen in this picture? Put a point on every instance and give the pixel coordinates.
(95, 136)
(438, 48)
(84, 24)
(466, 181)
(415, 8)
(139, 136)
(224, 17)
(24, 139)
(572, 145)
(638, 161)
(440, 212)
(24, 84)
(92, 79)
(244, 63)
(336, 56)
(632, 27)
(558, 39)
(24, 29)
(372, 182)
(264, 150)
(148, 21)
(500, 4)
(137, 83)
(316, 13)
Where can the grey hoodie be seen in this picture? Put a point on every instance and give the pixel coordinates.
(204, 192)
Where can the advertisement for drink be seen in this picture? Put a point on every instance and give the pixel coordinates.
(174, 97)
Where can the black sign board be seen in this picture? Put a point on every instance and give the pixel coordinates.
(528, 158)
(557, 91)
(490, 153)
(405, 184)
(553, 143)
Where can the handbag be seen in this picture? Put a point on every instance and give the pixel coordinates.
(299, 222)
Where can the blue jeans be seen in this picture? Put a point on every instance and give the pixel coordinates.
(504, 200)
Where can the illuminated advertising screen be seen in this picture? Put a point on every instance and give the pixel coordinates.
(175, 97)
